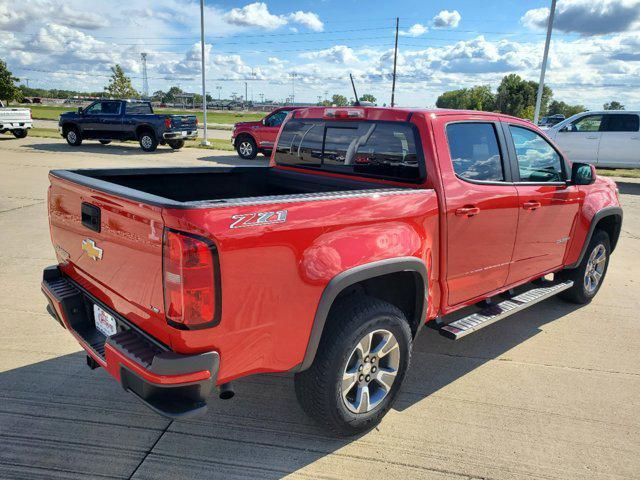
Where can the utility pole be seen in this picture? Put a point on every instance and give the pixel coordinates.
(145, 79)
(545, 56)
(204, 93)
(293, 88)
(395, 61)
(246, 96)
(219, 88)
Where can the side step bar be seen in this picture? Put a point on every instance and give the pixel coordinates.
(476, 321)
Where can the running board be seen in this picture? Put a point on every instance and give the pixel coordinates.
(476, 321)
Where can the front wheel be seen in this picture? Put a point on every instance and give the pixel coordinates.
(20, 132)
(176, 144)
(148, 141)
(246, 148)
(361, 362)
(588, 276)
(73, 136)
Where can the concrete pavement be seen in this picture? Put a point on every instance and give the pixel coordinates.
(553, 392)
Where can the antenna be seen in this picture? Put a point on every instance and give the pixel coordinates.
(357, 102)
(145, 79)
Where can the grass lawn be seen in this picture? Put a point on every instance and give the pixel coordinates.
(620, 172)
(52, 112)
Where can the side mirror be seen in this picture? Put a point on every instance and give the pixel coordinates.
(583, 174)
(80, 110)
(264, 121)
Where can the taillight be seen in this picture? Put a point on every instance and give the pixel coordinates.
(196, 121)
(167, 122)
(344, 113)
(191, 286)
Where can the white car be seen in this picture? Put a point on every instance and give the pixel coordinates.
(15, 120)
(608, 138)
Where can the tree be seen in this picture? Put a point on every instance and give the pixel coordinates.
(120, 85)
(515, 95)
(561, 108)
(8, 89)
(170, 97)
(367, 97)
(613, 105)
(475, 98)
(339, 100)
(158, 96)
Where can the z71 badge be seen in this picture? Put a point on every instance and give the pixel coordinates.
(258, 219)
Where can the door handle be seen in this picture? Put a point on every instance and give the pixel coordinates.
(469, 211)
(531, 205)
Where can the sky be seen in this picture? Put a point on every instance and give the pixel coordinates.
(308, 48)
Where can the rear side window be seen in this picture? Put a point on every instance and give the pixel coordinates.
(620, 122)
(377, 149)
(138, 108)
(537, 159)
(475, 153)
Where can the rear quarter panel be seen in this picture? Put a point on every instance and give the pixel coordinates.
(273, 276)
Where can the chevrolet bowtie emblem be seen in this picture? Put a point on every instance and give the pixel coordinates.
(89, 247)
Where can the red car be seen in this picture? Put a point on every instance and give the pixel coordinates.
(368, 224)
(251, 138)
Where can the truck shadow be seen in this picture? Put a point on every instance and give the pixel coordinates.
(234, 160)
(116, 148)
(628, 188)
(59, 415)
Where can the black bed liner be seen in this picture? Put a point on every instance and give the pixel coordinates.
(198, 187)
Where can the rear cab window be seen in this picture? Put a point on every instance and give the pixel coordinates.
(475, 152)
(376, 149)
(138, 109)
(620, 122)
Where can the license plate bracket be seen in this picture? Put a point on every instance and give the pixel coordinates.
(105, 322)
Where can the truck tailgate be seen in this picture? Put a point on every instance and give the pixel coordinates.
(120, 261)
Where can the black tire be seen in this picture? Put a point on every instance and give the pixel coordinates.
(246, 147)
(20, 132)
(105, 142)
(148, 141)
(176, 144)
(319, 389)
(583, 290)
(73, 136)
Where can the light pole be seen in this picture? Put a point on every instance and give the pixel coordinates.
(219, 88)
(536, 113)
(293, 87)
(204, 93)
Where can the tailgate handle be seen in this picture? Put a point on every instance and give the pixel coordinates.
(91, 217)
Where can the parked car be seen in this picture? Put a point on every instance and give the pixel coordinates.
(15, 120)
(608, 138)
(370, 223)
(550, 120)
(251, 138)
(107, 120)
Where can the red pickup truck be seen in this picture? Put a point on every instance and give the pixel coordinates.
(367, 224)
(251, 138)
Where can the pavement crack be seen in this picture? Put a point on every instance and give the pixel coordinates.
(150, 449)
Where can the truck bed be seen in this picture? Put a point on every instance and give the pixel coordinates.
(197, 186)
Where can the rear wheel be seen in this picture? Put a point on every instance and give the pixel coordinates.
(148, 141)
(176, 144)
(20, 132)
(73, 136)
(105, 142)
(360, 364)
(246, 148)
(588, 276)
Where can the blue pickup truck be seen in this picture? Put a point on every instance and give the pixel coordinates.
(107, 120)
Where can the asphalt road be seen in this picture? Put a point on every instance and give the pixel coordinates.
(553, 392)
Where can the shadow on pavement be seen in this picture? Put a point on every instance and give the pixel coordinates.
(234, 160)
(59, 416)
(628, 188)
(118, 148)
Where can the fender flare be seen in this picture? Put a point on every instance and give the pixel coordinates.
(245, 134)
(350, 277)
(599, 215)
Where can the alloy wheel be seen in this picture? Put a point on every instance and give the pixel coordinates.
(595, 268)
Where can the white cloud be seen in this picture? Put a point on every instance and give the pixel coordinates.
(447, 19)
(255, 15)
(588, 17)
(308, 19)
(336, 54)
(16, 16)
(416, 30)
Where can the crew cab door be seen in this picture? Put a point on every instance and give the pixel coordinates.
(620, 141)
(102, 120)
(547, 204)
(266, 135)
(481, 205)
(580, 139)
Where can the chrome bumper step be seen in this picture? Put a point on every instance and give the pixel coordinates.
(471, 323)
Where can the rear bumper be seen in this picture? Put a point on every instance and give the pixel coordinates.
(190, 134)
(172, 384)
(4, 125)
